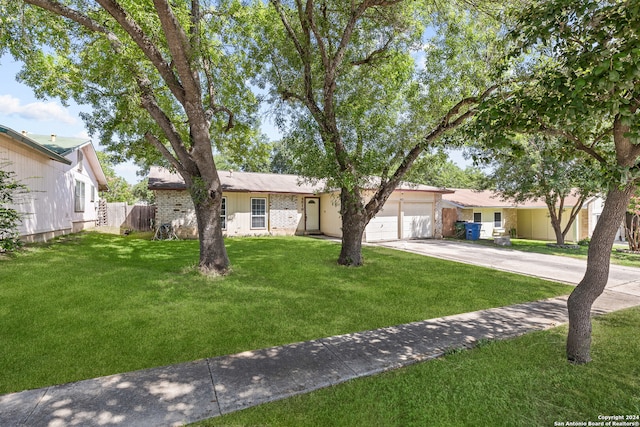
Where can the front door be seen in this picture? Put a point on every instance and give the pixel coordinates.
(312, 214)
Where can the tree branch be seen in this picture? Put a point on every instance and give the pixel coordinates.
(146, 45)
(66, 12)
(214, 108)
(575, 140)
(384, 191)
(369, 58)
(150, 104)
(153, 140)
(182, 52)
(303, 51)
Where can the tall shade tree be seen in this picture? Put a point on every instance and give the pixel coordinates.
(583, 86)
(160, 78)
(542, 168)
(362, 109)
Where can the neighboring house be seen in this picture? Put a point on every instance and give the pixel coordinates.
(530, 219)
(275, 204)
(63, 176)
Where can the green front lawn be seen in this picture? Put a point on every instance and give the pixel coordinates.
(94, 304)
(520, 382)
(541, 247)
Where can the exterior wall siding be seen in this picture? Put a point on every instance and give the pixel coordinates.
(48, 206)
(330, 219)
(583, 217)
(488, 226)
(535, 224)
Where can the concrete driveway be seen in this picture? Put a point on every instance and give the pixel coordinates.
(551, 267)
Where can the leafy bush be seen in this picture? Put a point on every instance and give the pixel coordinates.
(9, 217)
(584, 242)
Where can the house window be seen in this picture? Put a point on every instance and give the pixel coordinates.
(497, 219)
(223, 213)
(80, 159)
(477, 217)
(259, 213)
(93, 194)
(78, 197)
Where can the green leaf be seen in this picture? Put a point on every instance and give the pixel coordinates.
(614, 76)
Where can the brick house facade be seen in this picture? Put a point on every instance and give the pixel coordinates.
(275, 204)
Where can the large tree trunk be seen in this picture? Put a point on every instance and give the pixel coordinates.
(557, 228)
(596, 275)
(354, 221)
(213, 253)
(207, 202)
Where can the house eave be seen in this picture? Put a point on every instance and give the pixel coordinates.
(30, 143)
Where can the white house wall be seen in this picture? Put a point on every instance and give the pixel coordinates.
(48, 207)
(88, 218)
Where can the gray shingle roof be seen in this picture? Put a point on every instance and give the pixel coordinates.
(162, 179)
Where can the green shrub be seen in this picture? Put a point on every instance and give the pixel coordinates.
(9, 217)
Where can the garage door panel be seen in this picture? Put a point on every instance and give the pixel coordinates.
(417, 221)
(384, 226)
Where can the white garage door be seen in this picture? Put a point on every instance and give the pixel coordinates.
(384, 226)
(417, 220)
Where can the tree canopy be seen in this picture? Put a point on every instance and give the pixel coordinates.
(164, 81)
(539, 167)
(579, 81)
(360, 92)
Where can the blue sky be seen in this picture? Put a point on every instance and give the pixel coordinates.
(21, 110)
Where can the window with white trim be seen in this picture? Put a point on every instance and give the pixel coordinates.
(497, 219)
(223, 213)
(258, 213)
(78, 197)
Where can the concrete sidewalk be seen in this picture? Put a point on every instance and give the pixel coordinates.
(189, 392)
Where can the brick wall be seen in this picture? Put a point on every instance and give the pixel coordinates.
(510, 220)
(438, 229)
(285, 213)
(176, 208)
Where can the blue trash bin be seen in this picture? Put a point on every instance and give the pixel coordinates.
(472, 230)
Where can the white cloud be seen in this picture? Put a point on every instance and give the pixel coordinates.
(39, 111)
(82, 134)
